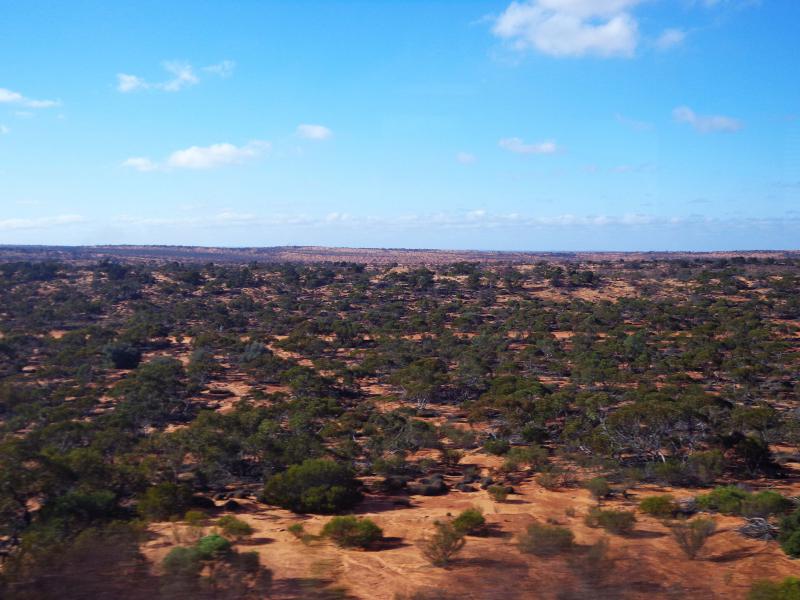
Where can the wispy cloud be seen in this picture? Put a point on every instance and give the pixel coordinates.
(182, 73)
(478, 219)
(40, 222)
(313, 132)
(201, 157)
(706, 123)
(561, 28)
(466, 158)
(634, 124)
(4, 130)
(10, 97)
(670, 38)
(517, 146)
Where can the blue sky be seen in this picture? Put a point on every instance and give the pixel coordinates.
(529, 125)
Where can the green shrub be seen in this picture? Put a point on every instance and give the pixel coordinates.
(497, 447)
(725, 499)
(350, 532)
(470, 522)
(499, 493)
(788, 589)
(765, 504)
(441, 547)
(164, 500)
(122, 355)
(182, 561)
(598, 487)
(212, 546)
(691, 536)
(315, 486)
(533, 456)
(235, 528)
(662, 507)
(546, 540)
(614, 521)
(549, 480)
(789, 534)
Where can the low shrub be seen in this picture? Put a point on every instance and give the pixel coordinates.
(531, 456)
(725, 499)
(598, 487)
(765, 504)
(496, 446)
(789, 534)
(351, 532)
(788, 589)
(549, 480)
(662, 507)
(442, 547)
(470, 522)
(499, 493)
(235, 528)
(732, 500)
(691, 536)
(545, 540)
(619, 522)
(212, 546)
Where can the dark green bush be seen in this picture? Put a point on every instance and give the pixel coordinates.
(497, 446)
(789, 534)
(315, 486)
(546, 540)
(350, 532)
(122, 355)
(470, 522)
(164, 500)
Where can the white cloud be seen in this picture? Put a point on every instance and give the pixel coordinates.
(201, 157)
(10, 97)
(314, 132)
(4, 130)
(222, 69)
(518, 146)
(141, 163)
(183, 76)
(670, 38)
(571, 27)
(465, 158)
(130, 83)
(40, 222)
(705, 123)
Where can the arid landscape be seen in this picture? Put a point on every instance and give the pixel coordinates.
(193, 429)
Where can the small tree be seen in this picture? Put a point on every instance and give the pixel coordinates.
(315, 486)
(350, 532)
(691, 536)
(163, 500)
(445, 543)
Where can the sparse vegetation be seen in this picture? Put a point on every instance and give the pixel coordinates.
(692, 535)
(546, 540)
(443, 545)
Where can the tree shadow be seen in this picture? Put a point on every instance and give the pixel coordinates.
(389, 543)
(732, 555)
